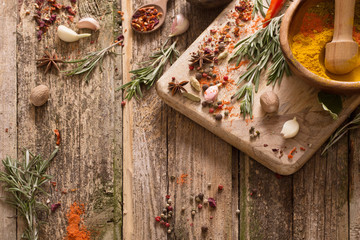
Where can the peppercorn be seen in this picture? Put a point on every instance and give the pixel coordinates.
(237, 211)
(201, 196)
(218, 117)
(123, 103)
(169, 208)
(211, 110)
(200, 206)
(167, 225)
(207, 70)
(183, 209)
(204, 104)
(214, 75)
(206, 201)
(209, 185)
(197, 199)
(169, 230)
(217, 82)
(198, 76)
(204, 87)
(191, 67)
(193, 212)
(211, 84)
(170, 212)
(220, 187)
(219, 102)
(164, 210)
(162, 215)
(226, 78)
(169, 201)
(208, 77)
(204, 75)
(226, 113)
(204, 229)
(173, 78)
(215, 105)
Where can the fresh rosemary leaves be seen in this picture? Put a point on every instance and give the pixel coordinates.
(260, 48)
(150, 73)
(259, 7)
(340, 132)
(89, 62)
(24, 180)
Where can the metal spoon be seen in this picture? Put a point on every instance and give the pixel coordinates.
(159, 5)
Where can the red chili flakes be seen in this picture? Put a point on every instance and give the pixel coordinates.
(53, 184)
(58, 138)
(290, 156)
(302, 149)
(244, 9)
(145, 19)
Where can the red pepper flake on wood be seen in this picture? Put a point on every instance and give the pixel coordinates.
(302, 149)
(58, 138)
(290, 156)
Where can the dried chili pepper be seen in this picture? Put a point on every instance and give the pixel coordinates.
(58, 138)
(290, 156)
(274, 9)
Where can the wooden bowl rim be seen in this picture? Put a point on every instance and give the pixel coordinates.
(324, 83)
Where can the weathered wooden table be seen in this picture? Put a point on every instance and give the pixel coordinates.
(122, 161)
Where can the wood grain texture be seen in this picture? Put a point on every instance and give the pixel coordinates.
(8, 99)
(320, 196)
(297, 100)
(87, 115)
(354, 188)
(266, 202)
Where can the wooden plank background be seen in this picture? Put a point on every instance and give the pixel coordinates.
(122, 161)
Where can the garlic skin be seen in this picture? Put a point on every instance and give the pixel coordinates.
(88, 23)
(179, 25)
(68, 35)
(290, 128)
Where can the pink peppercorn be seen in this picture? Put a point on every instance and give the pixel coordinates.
(211, 110)
(123, 103)
(167, 225)
(191, 67)
(169, 208)
(168, 196)
(226, 78)
(173, 78)
(204, 75)
(158, 219)
(220, 187)
(200, 206)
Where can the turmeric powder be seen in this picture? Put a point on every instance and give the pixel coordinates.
(315, 31)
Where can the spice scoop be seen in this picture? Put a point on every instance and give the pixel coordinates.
(154, 12)
(341, 53)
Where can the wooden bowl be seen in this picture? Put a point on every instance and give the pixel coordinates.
(289, 27)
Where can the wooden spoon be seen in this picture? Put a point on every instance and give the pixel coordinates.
(161, 6)
(341, 54)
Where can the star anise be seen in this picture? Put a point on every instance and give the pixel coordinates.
(201, 57)
(176, 87)
(49, 60)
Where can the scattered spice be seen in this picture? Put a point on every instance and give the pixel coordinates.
(58, 138)
(76, 230)
(145, 19)
(290, 156)
(55, 206)
(182, 179)
(212, 202)
(302, 149)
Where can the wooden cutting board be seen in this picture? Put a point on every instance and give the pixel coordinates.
(297, 99)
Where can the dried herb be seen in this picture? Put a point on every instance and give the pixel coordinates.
(331, 103)
(89, 62)
(176, 87)
(150, 73)
(24, 180)
(339, 133)
(260, 48)
(200, 57)
(50, 61)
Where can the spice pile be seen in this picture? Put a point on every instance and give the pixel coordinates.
(46, 13)
(145, 19)
(76, 230)
(315, 31)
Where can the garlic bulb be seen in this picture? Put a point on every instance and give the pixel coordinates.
(68, 35)
(89, 23)
(179, 25)
(290, 128)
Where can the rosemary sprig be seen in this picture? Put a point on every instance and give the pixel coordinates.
(261, 48)
(339, 133)
(24, 180)
(89, 62)
(149, 74)
(259, 7)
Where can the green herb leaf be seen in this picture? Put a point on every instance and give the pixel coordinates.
(331, 103)
(149, 74)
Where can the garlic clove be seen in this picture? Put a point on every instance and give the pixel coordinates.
(211, 93)
(68, 35)
(290, 128)
(88, 23)
(179, 25)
